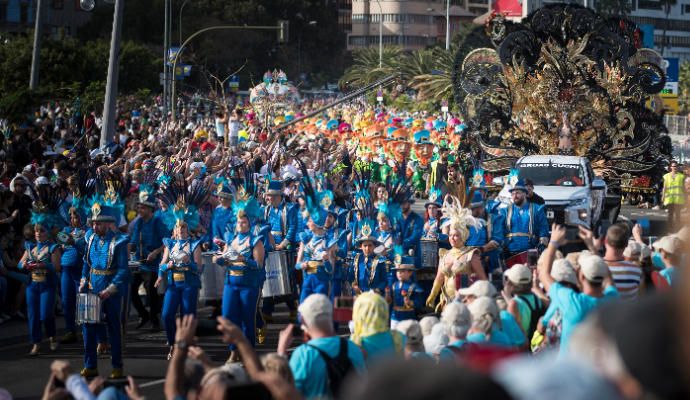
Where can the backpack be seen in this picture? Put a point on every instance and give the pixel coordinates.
(338, 367)
(535, 313)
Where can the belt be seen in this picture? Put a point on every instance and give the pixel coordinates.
(518, 234)
(95, 271)
(39, 276)
(402, 308)
(277, 233)
(178, 276)
(233, 272)
(313, 266)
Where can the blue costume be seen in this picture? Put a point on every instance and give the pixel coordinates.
(388, 240)
(411, 228)
(340, 269)
(71, 264)
(370, 273)
(242, 285)
(183, 282)
(40, 293)
(222, 218)
(316, 265)
(525, 227)
(106, 268)
(407, 296)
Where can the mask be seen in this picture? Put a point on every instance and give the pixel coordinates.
(657, 260)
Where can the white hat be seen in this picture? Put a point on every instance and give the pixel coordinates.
(594, 268)
(436, 340)
(563, 271)
(412, 331)
(315, 307)
(456, 314)
(479, 289)
(633, 250)
(519, 274)
(684, 234)
(482, 306)
(669, 244)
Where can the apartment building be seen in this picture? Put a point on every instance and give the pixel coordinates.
(61, 17)
(411, 24)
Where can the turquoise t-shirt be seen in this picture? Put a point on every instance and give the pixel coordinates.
(498, 338)
(575, 307)
(380, 346)
(669, 274)
(309, 368)
(448, 354)
(512, 329)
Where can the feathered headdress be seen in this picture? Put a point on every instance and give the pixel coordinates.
(244, 199)
(314, 208)
(182, 204)
(45, 207)
(105, 205)
(455, 209)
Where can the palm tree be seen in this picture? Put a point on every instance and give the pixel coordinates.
(366, 70)
(436, 83)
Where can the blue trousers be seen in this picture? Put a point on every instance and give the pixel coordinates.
(177, 296)
(312, 284)
(40, 304)
(69, 285)
(239, 306)
(94, 333)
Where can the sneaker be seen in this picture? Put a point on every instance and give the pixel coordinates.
(69, 337)
(102, 348)
(35, 350)
(89, 372)
(53, 344)
(116, 374)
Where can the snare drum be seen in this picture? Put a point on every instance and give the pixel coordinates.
(519, 258)
(277, 275)
(89, 309)
(428, 249)
(212, 278)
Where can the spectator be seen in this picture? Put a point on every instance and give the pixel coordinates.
(627, 275)
(673, 195)
(533, 197)
(525, 306)
(310, 361)
(486, 323)
(372, 328)
(414, 340)
(667, 257)
(278, 364)
(426, 323)
(594, 278)
(458, 321)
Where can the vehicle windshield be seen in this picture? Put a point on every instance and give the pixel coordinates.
(552, 174)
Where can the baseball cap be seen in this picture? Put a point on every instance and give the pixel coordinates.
(315, 307)
(563, 271)
(426, 323)
(483, 305)
(683, 234)
(594, 268)
(479, 289)
(519, 274)
(633, 250)
(456, 314)
(669, 244)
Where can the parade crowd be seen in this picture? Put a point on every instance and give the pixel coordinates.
(472, 298)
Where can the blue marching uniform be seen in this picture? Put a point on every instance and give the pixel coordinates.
(318, 271)
(106, 268)
(243, 285)
(40, 293)
(370, 273)
(220, 219)
(71, 264)
(183, 282)
(340, 269)
(282, 222)
(146, 237)
(411, 229)
(402, 291)
(388, 241)
(525, 227)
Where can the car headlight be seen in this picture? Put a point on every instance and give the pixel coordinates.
(578, 202)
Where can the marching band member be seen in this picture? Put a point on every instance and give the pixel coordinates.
(105, 273)
(282, 218)
(222, 218)
(525, 226)
(42, 259)
(488, 235)
(146, 243)
(243, 258)
(181, 259)
(432, 226)
(410, 228)
(369, 270)
(406, 295)
(71, 263)
(461, 263)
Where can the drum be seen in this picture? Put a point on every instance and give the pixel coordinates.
(277, 275)
(342, 309)
(89, 309)
(428, 249)
(212, 278)
(519, 258)
(134, 267)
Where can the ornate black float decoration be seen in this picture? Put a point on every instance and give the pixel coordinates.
(564, 81)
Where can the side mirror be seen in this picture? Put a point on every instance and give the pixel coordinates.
(598, 184)
(498, 181)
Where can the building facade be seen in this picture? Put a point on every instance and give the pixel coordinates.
(61, 17)
(410, 24)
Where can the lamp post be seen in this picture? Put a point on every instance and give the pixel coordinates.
(180, 19)
(36, 53)
(299, 49)
(166, 49)
(109, 116)
(380, 33)
(447, 24)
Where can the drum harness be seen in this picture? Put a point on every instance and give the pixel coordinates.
(372, 270)
(92, 270)
(510, 221)
(283, 218)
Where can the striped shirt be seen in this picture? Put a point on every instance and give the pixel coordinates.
(627, 276)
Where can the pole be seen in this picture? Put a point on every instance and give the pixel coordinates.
(173, 104)
(109, 116)
(380, 33)
(166, 47)
(180, 18)
(447, 24)
(36, 53)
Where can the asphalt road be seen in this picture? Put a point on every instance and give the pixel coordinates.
(145, 353)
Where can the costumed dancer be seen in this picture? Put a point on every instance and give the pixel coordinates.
(411, 224)
(487, 236)
(406, 295)
(73, 246)
(423, 149)
(526, 226)
(282, 218)
(222, 217)
(146, 245)
(369, 270)
(105, 273)
(243, 258)
(461, 264)
(181, 259)
(434, 218)
(42, 259)
(317, 253)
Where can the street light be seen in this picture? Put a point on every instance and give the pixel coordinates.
(380, 33)
(36, 54)
(299, 49)
(447, 24)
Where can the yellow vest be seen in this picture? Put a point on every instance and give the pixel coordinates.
(673, 189)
